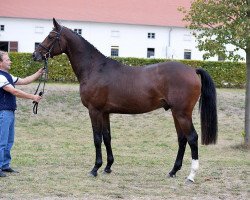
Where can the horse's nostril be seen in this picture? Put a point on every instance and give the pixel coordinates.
(34, 55)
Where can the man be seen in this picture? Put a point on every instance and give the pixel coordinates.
(8, 94)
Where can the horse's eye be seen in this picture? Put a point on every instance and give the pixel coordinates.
(50, 37)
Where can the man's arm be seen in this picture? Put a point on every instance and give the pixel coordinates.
(29, 79)
(19, 93)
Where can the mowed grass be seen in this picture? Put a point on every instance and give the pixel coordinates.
(54, 153)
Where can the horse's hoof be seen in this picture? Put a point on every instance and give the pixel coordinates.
(189, 182)
(93, 174)
(171, 176)
(107, 171)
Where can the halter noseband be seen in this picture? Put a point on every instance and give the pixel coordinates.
(56, 38)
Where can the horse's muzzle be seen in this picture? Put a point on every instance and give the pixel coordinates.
(37, 56)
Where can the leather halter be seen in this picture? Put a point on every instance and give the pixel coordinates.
(44, 77)
(56, 39)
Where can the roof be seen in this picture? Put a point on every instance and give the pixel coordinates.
(142, 12)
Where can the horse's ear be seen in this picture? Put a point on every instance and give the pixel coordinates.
(56, 25)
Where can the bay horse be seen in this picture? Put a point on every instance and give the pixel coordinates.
(107, 86)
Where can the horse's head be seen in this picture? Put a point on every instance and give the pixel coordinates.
(54, 44)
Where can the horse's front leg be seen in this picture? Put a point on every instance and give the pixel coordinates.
(107, 141)
(97, 124)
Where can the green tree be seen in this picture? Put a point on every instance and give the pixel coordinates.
(217, 23)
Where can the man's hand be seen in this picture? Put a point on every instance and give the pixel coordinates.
(41, 71)
(37, 98)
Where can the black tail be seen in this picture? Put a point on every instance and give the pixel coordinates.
(208, 109)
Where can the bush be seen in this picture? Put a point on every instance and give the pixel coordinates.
(224, 74)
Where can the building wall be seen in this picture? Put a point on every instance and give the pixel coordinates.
(132, 40)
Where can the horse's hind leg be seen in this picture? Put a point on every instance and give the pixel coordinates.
(182, 141)
(193, 143)
(187, 128)
(107, 141)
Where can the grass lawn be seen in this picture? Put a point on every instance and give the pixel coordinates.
(54, 153)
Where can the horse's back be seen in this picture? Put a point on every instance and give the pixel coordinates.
(173, 75)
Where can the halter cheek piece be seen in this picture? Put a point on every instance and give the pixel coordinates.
(56, 39)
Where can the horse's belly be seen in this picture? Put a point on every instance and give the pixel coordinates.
(133, 106)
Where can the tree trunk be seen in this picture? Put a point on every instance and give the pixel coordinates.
(247, 108)
(247, 103)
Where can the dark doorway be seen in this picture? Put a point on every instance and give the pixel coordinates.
(4, 46)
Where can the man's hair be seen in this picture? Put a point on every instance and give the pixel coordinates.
(1, 55)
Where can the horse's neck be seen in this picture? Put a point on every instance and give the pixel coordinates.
(83, 57)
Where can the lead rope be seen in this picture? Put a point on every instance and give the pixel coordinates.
(43, 79)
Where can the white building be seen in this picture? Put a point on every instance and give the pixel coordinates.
(125, 28)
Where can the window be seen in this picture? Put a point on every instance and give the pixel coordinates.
(39, 29)
(150, 53)
(151, 35)
(9, 46)
(115, 33)
(36, 44)
(14, 46)
(1, 27)
(114, 51)
(187, 54)
(78, 31)
(221, 58)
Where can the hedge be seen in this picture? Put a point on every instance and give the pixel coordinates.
(224, 74)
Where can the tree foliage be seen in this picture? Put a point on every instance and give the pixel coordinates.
(218, 23)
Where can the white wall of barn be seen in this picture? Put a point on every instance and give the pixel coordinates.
(132, 40)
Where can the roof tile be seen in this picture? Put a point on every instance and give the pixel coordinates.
(144, 12)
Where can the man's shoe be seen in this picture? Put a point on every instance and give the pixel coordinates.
(10, 170)
(2, 174)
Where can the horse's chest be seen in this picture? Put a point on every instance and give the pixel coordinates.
(94, 96)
